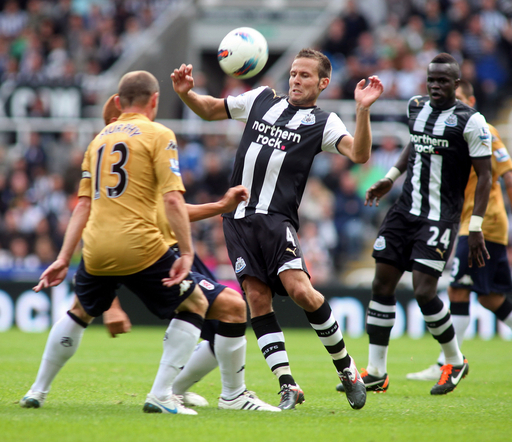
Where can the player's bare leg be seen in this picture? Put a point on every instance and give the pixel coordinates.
(321, 318)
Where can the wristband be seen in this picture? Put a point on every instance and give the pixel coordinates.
(393, 174)
(475, 223)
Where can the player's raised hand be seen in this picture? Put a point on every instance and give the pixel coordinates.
(179, 270)
(366, 96)
(377, 191)
(53, 275)
(182, 80)
(477, 250)
(233, 197)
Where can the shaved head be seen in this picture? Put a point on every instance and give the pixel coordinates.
(136, 88)
(453, 67)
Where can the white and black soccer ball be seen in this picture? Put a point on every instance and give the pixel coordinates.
(243, 53)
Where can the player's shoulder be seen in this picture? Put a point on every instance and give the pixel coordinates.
(418, 101)
(161, 128)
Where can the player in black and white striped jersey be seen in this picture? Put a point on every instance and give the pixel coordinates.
(417, 235)
(281, 138)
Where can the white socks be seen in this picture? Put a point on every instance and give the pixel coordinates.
(377, 360)
(62, 343)
(198, 366)
(179, 342)
(230, 352)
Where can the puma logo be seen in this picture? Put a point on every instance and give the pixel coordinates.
(441, 252)
(292, 250)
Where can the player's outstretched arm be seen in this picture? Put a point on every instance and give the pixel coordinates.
(177, 217)
(383, 186)
(116, 320)
(477, 250)
(358, 148)
(57, 271)
(206, 106)
(229, 202)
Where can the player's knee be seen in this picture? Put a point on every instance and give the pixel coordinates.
(382, 288)
(239, 309)
(78, 311)
(195, 303)
(230, 307)
(306, 297)
(492, 301)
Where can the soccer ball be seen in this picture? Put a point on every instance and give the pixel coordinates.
(243, 53)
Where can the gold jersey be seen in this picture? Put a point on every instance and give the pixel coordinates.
(495, 224)
(163, 224)
(122, 168)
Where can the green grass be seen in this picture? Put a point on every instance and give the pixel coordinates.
(99, 394)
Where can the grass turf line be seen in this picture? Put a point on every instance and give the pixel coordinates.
(100, 392)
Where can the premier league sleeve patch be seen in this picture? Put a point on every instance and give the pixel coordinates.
(501, 155)
(484, 133)
(175, 166)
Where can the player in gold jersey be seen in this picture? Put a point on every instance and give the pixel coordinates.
(224, 343)
(492, 281)
(116, 219)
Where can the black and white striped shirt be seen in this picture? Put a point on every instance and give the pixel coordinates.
(276, 151)
(442, 145)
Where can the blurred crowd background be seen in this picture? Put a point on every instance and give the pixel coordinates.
(73, 42)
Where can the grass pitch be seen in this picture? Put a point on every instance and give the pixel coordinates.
(99, 394)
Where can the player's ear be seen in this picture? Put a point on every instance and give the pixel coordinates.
(117, 102)
(154, 100)
(324, 82)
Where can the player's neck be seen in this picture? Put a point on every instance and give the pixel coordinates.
(146, 111)
(444, 105)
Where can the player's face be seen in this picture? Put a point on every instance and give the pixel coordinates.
(442, 82)
(305, 86)
(461, 97)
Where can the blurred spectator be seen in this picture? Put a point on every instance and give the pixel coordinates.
(454, 45)
(336, 45)
(385, 156)
(491, 75)
(319, 262)
(44, 250)
(35, 155)
(473, 37)
(215, 181)
(354, 72)
(387, 73)
(20, 255)
(410, 78)
(414, 33)
(355, 23)
(366, 53)
(348, 219)
(493, 21)
(12, 19)
(459, 14)
(57, 58)
(436, 22)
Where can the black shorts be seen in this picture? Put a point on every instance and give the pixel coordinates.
(263, 246)
(96, 293)
(494, 277)
(411, 242)
(204, 278)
